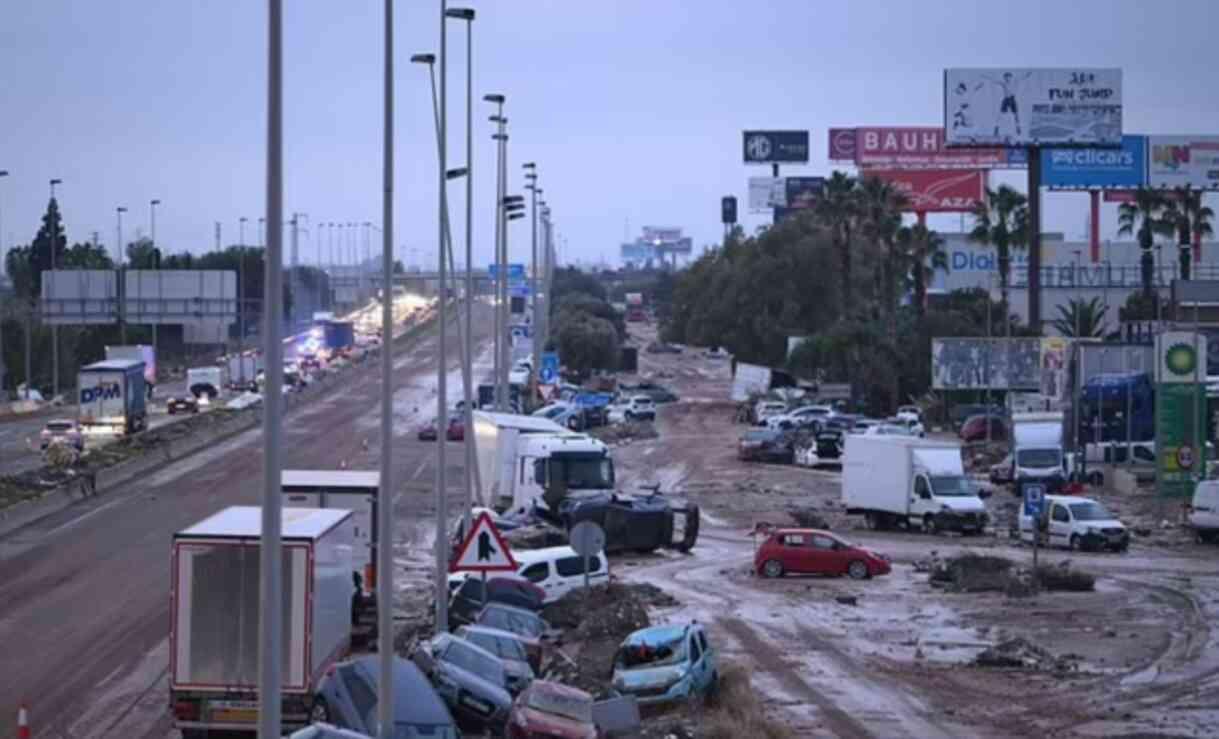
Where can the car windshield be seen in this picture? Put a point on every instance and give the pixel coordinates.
(589, 472)
(647, 655)
(513, 621)
(1090, 511)
(551, 412)
(1039, 458)
(951, 486)
(59, 426)
(560, 704)
(475, 662)
(424, 731)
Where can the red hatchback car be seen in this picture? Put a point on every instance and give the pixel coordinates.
(974, 429)
(816, 552)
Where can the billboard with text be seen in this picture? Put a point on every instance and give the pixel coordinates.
(766, 193)
(922, 147)
(1183, 161)
(1088, 167)
(937, 190)
(1019, 107)
(775, 147)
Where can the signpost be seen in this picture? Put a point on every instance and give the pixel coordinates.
(548, 373)
(588, 539)
(1034, 503)
(1179, 408)
(483, 551)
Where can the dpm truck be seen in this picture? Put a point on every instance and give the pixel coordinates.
(912, 482)
(215, 596)
(137, 352)
(111, 396)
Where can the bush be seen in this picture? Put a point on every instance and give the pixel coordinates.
(735, 711)
(1050, 577)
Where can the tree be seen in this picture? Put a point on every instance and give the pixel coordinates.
(1192, 221)
(837, 210)
(879, 211)
(1080, 318)
(1001, 221)
(586, 342)
(1144, 218)
(141, 254)
(923, 250)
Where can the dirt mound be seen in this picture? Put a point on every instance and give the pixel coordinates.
(808, 518)
(624, 433)
(972, 573)
(1020, 653)
(1062, 577)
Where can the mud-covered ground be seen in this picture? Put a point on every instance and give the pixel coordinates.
(1135, 657)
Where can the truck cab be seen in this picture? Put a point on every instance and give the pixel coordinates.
(552, 466)
(942, 496)
(1037, 453)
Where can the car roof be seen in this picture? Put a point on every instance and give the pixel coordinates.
(412, 688)
(532, 556)
(823, 532)
(493, 605)
(489, 631)
(445, 638)
(657, 634)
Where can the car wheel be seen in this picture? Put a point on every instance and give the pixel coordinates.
(1096, 479)
(320, 711)
(628, 416)
(772, 568)
(1074, 543)
(858, 570)
(929, 525)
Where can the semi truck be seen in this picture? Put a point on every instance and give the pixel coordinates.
(111, 396)
(215, 597)
(1037, 453)
(911, 482)
(355, 491)
(338, 336)
(206, 381)
(244, 368)
(634, 307)
(137, 353)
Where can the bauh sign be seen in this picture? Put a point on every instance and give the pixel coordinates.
(936, 190)
(914, 147)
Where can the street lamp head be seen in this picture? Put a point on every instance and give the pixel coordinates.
(494, 98)
(500, 136)
(120, 209)
(514, 198)
(423, 59)
(56, 182)
(529, 165)
(514, 216)
(453, 174)
(465, 14)
(155, 202)
(498, 119)
(3, 173)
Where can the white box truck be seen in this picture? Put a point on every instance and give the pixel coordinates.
(110, 396)
(355, 491)
(905, 480)
(1037, 454)
(215, 595)
(137, 353)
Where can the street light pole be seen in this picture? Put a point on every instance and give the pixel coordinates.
(156, 263)
(122, 291)
(531, 175)
(442, 399)
(241, 299)
(498, 100)
(54, 326)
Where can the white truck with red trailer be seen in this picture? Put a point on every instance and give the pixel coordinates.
(214, 616)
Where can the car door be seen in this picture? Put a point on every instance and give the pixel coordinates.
(794, 553)
(710, 656)
(698, 663)
(1060, 525)
(539, 574)
(825, 557)
(920, 497)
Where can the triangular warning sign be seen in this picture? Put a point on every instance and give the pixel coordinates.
(484, 550)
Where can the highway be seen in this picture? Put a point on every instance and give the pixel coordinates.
(84, 593)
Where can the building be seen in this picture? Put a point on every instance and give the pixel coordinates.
(657, 246)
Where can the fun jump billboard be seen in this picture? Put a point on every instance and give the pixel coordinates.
(1070, 106)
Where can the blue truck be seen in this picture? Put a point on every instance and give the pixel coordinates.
(1108, 398)
(111, 396)
(338, 336)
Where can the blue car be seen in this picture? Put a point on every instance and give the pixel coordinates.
(666, 664)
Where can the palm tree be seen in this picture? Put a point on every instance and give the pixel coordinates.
(1192, 220)
(880, 206)
(1080, 318)
(1001, 221)
(923, 250)
(1145, 218)
(837, 211)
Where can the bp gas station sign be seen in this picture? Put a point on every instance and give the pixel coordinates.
(1180, 412)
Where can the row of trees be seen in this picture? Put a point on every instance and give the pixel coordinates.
(585, 328)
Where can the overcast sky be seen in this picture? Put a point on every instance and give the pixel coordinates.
(632, 108)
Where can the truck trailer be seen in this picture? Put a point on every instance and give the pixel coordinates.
(215, 596)
(137, 353)
(111, 396)
(909, 481)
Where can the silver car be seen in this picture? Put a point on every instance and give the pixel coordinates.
(348, 697)
(469, 679)
(508, 647)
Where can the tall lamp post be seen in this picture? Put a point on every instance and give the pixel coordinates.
(499, 137)
(54, 326)
(241, 296)
(122, 291)
(531, 175)
(514, 206)
(442, 399)
(156, 264)
(3, 368)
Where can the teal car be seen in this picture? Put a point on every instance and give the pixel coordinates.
(666, 664)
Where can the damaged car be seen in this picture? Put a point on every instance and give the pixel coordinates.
(469, 679)
(508, 647)
(548, 710)
(640, 523)
(666, 664)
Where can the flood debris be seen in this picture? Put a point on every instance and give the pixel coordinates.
(625, 432)
(1020, 653)
(977, 573)
(808, 518)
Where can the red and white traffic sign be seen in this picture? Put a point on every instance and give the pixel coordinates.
(484, 550)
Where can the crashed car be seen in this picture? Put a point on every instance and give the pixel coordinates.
(469, 679)
(824, 448)
(765, 445)
(348, 694)
(641, 523)
(547, 710)
(665, 664)
(469, 595)
(508, 647)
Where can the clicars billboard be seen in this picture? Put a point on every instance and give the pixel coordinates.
(1018, 107)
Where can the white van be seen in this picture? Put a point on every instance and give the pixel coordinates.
(1073, 522)
(559, 570)
(1204, 511)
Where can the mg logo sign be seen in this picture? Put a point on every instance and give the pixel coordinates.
(111, 391)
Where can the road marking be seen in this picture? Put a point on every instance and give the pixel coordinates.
(79, 519)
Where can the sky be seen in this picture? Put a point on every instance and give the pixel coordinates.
(632, 109)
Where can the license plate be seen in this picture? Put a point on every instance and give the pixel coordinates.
(233, 712)
(480, 706)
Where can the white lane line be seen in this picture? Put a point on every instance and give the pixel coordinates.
(79, 519)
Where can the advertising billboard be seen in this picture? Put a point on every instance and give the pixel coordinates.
(1015, 107)
(937, 190)
(766, 193)
(775, 147)
(1183, 161)
(661, 234)
(977, 363)
(842, 145)
(922, 147)
(1074, 167)
(803, 192)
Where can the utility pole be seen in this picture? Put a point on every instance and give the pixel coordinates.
(122, 287)
(442, 399)
(54, 325)
(385, 511)
(156, 263)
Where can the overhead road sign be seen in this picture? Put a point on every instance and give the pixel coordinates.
(484, 550)
(1023, 107)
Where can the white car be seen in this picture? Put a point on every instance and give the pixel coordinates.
(637, 408)
(805, 415)
(767, 408)
(887, 429)
(1204, 511)
(1073, 522)
(911, 426)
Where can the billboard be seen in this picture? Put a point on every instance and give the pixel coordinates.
(922, 147)
(171, 296)
(1183, 161)
(775, 147)
(1075, 167)
(803, 192)
(660, 234)
(842, 145)
(766, 193)
(977, 363)
(79, 296)
(937, 190)
(1013, 106)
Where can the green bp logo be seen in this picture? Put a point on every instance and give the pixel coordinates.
(1181, 359)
